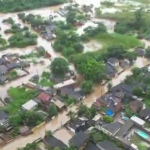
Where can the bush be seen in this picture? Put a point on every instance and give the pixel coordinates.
(107, 119)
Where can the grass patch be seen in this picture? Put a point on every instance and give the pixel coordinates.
(142, 1)
(115, 39)
(20, 95)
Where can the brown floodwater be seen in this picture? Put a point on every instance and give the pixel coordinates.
(66, 134)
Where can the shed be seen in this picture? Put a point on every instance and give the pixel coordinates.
(44, 97)
(30, 105)
(137, 120)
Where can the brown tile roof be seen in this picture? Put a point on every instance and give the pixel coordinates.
(44, 97)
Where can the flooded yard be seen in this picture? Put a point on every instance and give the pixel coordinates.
(64, 135)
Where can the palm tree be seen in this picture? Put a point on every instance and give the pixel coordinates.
(81, 108)
(71, 115)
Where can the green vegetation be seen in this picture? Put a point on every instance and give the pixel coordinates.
(87, 87)
(28, 118)
(59, 66)
(67, 43)
(20, 95)
(113, 39)
(16, 5)
(139, 24)
(107, 3)
(142, 1)
(107, 119)
(83, 110)
(30, 146)
(12, 75)
(52, 110)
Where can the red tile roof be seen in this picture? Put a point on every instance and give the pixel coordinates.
(44, 97)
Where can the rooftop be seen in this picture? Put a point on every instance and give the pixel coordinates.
(78, 139)
(144, 113)
(54, 142)
(29, 105)
(64, 83)
(44, 97)
(107, 145)
(113, 60)
(3, 115)
(110, 69)
(112, 127)
(91, 146)
(124, 128)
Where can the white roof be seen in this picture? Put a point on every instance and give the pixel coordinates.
(29, 105)
(137, 120)
(64, 83)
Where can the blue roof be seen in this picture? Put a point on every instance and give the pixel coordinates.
(109, 112)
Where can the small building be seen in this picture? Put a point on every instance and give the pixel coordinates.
(137, 121)
(60, 105)
(64, 83)
(72, 92)
(54, 142)
(3, 117)
(113, 62)
(91, 146)
(3, 70)
(140, 52)
(136, 106)
(77, 125)
(124, 129)
(24, 130)
(107, 145)
(79, 140)
(11, 65)
(110, 129)
(110, 71)
(145, 114)
(30, 105)
(23, 64)
(45, 98)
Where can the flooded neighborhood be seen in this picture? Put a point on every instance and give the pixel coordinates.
(75, 76)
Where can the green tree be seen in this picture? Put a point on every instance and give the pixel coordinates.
(81, 108)
(30, 146)
(136, 71)
(52, 110)
(59, 66)
(71, 115)
(138, 92)
(107, 119)
(48, 133)
(139, 19)
(109, 86)
(87, 87)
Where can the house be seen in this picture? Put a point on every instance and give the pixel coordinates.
(111, 128)
(145, 114)
(72, 92)
(79, 140)
(138, 121)
(64, 83)
(140, 52)
(45, 98)
(78, 125)
(3, 117)
(60, 105)
(110, 71)
(51, 91)
(54, 142)
(3, 61)
(30, 105)
(113, 62)
(24, 130)
(23, 64)
(11, 65)
(125, 64)
(136, 106)
(91, 146)
(124, 129)
(107, 145)
(112, 103)
(4, 120)
(2, 79)
(3, 70)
